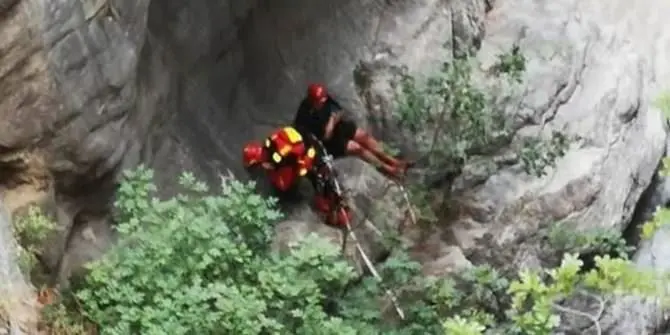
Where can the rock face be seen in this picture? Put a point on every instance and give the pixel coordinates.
(573, 87)
(93, 86)
(623, 136)
(593, 70)
(110, 84)
(69, 81)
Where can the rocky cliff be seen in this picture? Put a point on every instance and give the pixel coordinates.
(91, 87)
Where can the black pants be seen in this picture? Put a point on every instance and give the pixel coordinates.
(344, 131)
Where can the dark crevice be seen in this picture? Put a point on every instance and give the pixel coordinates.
(644, 209)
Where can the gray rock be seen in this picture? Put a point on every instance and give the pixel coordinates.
(593, 70)
(571, 86)
(113, 83)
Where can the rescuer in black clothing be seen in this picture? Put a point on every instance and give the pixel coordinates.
(322, 116)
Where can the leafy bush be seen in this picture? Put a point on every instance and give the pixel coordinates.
(565, 238)
(662, 214)
(202, 264)
(453, 119)
(31, 231)
(537, 295)
(58, 319)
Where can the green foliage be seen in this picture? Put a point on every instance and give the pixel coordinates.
(450, 116)
(512, 63)
(58, 319)
(31, 231)
(565, 238)
(202, 264)
(663, 103)
(535, 296)
(660, 219)
(422, 199)
(537, 154)
(453, 119)
(661, 215)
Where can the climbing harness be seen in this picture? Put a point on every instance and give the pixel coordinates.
(328, 174)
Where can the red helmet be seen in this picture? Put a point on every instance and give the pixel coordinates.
(317, 94)
(252, 154)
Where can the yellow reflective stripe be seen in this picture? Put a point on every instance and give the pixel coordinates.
(311, 152)
(293, 135)
(303, 172)
(276, 157)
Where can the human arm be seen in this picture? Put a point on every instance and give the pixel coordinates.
(335, 117)
(330, 126)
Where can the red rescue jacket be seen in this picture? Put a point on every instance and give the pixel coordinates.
(291, 157)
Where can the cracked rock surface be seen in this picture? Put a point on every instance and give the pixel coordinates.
(593, 71)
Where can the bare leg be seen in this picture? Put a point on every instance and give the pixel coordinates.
(353, 148)
(370, 143)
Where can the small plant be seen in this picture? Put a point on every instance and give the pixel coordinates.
(661, 216)
(31, 231)
(512, 63)
(564, 238)
(422, 199)
(535, 307)
(536, 154)
(57, 319)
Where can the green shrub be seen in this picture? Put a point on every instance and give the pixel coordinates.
(453, 119)
(200, 264)
(566, 239)
(31, 231)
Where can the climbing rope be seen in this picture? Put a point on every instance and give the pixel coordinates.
(342, 206)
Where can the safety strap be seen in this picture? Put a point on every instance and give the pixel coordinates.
(337, 188)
